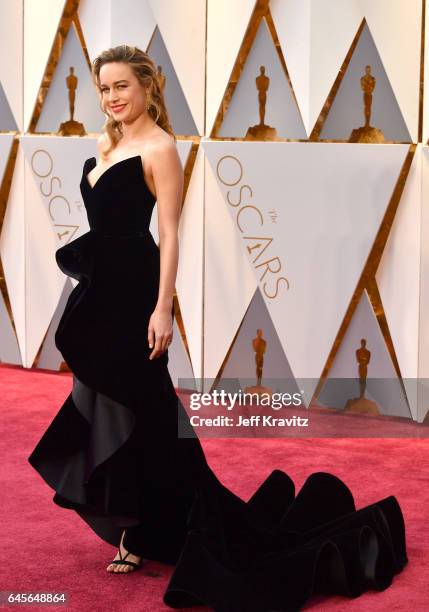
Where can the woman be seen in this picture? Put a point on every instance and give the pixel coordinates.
(112, 452)
(128, 104)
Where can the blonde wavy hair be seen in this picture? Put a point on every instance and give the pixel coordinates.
(146, 72)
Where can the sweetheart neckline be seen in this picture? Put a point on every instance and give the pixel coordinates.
(92, 187)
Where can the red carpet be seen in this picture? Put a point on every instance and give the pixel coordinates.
(47, 548)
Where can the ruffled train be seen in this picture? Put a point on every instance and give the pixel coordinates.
(277, 550)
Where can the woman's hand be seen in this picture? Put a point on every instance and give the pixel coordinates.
(160, 331)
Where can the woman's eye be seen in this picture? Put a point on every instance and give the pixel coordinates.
(119, 87)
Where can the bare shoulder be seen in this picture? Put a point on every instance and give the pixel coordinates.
(162, 151)
(163, 166)
(163, 144)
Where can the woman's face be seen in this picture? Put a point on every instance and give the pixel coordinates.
(122, 95)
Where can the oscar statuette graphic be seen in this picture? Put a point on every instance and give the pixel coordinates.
(361, 404)
(259, 345)
(161, 78)
(367, 133)
(72, 127)
(261, 131)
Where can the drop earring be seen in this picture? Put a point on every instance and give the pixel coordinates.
(148, 103)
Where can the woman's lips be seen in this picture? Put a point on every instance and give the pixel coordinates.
(117, 109)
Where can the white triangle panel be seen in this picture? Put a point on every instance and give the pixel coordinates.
(179, 366)
(109, 23)
(132, 23)
(44, 281)
(12, 251)
(189, 280)
(334, 24)
(54, 215)
(398, 277)
(183, 29)
(95, 20)
(423, 406)
(425, 130)
(316, 233)
(224, 38)
(9, 349)
(292, 20)
(11, 47)
(7, 120)
(6, 141)
(229, 282)
(41, 21)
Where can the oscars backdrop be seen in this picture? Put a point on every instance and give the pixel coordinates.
(303, 133)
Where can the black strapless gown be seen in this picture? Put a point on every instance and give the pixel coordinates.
(112, 452)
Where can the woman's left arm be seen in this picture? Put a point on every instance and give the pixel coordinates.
(167, 174)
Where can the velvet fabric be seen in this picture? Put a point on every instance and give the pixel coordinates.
(112, 453)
